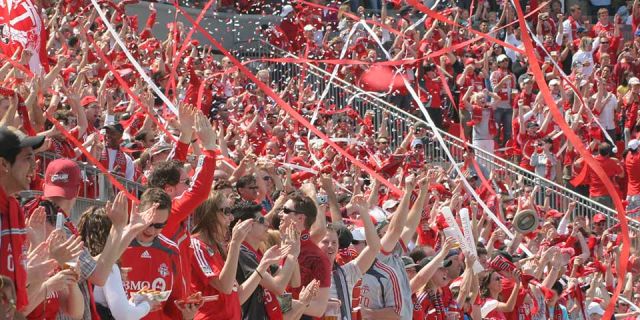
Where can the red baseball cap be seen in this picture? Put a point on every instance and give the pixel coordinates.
(599, 217)
(62, 179)
(553, 213)
(88, 100)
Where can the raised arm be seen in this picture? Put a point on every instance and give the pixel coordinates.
(425, 274)
(418, 207)
(396, 226)
(368, 255)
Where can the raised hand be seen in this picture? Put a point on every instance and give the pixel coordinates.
(309, 292)
(61, 280)
(140, 220)
(186, 116)
(449, 244)
(360, 204)
(39, 263)
(36, 227)
(292, 240)
(62, 249)
(118, 211)
(240, 231)
(272, 256)
(410, 182)
(205, 132)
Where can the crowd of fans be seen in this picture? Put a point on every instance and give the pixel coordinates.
(245, 215)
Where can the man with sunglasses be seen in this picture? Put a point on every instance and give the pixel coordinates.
(300, 212)
(155, 260)
(187, 192)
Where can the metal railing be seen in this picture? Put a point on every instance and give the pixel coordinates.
(82, 204)
(95, 183)
(96, 188)
(344, 94)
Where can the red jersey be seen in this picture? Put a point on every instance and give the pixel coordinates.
(157, 267)
(13, 247)
(434, 87)
(472, 80)
(184, 205)
(206, 264)
(596, 186)
(632, 165)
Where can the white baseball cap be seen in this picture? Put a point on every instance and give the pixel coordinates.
(389, 204)
(594, 308)
(286, 10)
(502, 57)
(634, 81)
(358, 234)
(633, 144)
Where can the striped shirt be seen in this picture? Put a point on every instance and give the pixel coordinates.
(380, 288)
(393, 259)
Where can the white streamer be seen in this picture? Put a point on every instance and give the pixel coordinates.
(131, 59)
(438, 136)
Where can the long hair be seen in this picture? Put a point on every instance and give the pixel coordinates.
(484, 284)
(205, 221)
(94, 227)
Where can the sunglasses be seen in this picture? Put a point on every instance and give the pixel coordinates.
(290, 211)
(227, 211)
(159, 225)
(186, 181)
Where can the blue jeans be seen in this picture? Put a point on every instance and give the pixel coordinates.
(503, 116)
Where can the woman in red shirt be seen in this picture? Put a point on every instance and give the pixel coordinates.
(213, 266)
(490, 289)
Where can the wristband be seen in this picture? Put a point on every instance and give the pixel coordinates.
(259, 274)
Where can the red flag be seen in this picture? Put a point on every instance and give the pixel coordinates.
(22, 28)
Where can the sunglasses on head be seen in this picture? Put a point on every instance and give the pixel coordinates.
(260, 220)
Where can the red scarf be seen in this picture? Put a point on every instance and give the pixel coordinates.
(574, 28)
(62, 148)
(548, 169)
(119, 165)
(15, 220)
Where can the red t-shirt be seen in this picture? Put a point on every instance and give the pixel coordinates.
(434, 86)
(156, 267)
(632, 165)
(206, 264)
(314, 263)
(596, 186)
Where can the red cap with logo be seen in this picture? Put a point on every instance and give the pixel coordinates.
(62, 179)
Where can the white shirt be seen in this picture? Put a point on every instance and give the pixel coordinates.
(584, 56)
(607, 115)
(112, 295)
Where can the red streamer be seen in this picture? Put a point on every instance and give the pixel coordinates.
(92, 159)
(586, 155)
(267, 90)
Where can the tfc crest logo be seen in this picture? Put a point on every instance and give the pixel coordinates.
(163, 270)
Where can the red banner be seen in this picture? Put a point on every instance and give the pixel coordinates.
(22, 28)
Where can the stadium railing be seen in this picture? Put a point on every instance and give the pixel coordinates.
(95, 190)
